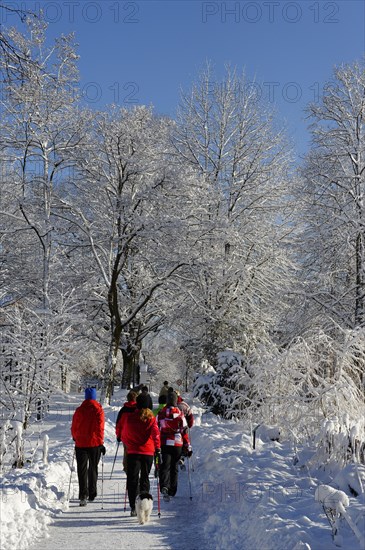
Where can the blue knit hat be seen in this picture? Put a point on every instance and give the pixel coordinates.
(90, 393)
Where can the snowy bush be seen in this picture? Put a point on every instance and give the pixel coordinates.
(226, 389)
(338, 443)
(330, 497)
(298, 388)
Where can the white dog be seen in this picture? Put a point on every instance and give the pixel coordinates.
(144, 505)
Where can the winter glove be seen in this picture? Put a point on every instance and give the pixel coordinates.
(187, 451)
(118, 439)
(103, 449)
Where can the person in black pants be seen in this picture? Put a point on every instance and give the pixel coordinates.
(87, 430)
(141, 436)
(87, 459)
(174, 441)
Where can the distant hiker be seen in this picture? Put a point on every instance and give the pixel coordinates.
(144, 391)
(141, 436)
(161, 403)
(128, 407)
(165, 388)
(185, 408)
(174, 436)
(87, 430)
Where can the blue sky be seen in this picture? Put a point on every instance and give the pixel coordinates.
(145, 51)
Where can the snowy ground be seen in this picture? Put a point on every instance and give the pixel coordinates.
(241, 498)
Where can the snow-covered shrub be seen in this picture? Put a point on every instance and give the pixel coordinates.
(225, 389)
(297, 388)
(203, 384)
(339, 442)
(351, 479)
(330, 497)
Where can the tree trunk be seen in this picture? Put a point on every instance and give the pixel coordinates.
(130, 367)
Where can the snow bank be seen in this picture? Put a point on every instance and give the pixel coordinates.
(29, 500)
(256, 498)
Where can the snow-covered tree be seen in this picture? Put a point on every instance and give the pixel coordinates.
(332, 194)
(124, 205)
(40, 128)
(226, 134)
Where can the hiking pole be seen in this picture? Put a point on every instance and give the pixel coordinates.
(192, 461)
(125, 497)
(157, 476)
(189, 477)
(116, 452)
(71, 468)
(102, 482)
(158, 497)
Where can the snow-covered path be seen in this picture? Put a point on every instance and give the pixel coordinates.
(101, 527)
(242, 498)
(106, 525)
(103, 524)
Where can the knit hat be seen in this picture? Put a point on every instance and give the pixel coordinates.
(143, 401)
(90, 393)
(171, 399)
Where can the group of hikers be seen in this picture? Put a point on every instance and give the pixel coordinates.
(149, 435)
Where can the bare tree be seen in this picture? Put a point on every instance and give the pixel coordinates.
(227, 135)
(333, 193)
(40, 128)
(125, 210)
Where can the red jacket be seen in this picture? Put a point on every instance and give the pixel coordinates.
(88, 422)
(140, 437)
(173, 427)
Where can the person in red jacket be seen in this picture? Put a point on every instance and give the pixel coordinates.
(128, 407)
(174, 437)
(87, 430)
(140, 434)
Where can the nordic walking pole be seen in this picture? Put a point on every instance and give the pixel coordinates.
(116, 452)
(157, 476)
(158, 497)
(192, 461)
(102, 482)
(125, 497)
(71, 468)
(189, 476)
